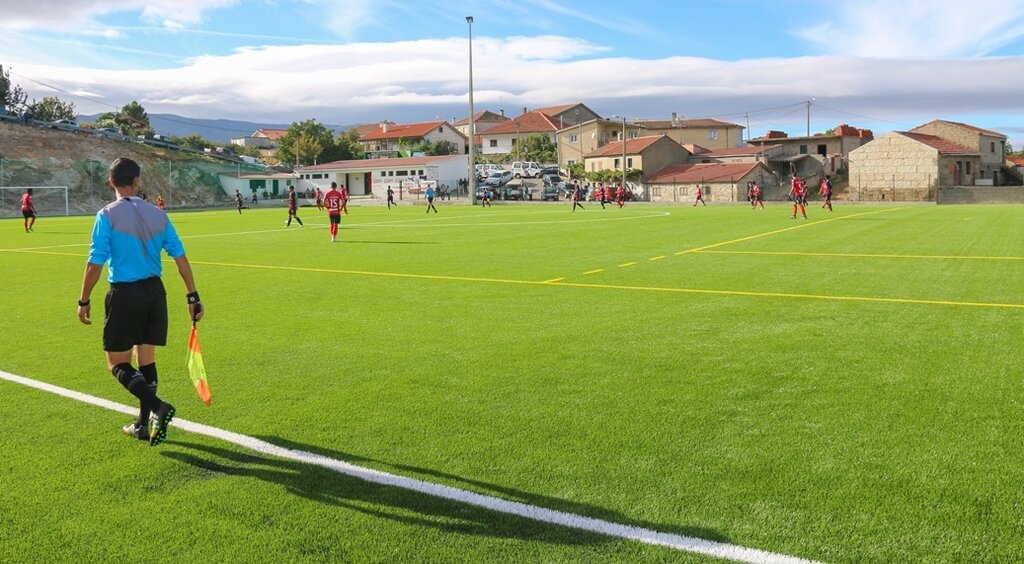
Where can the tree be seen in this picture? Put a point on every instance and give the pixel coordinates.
(52, 109)
(539, 148)
(442, 148)
(576, 170)
(348, 146)
(133, 120)
(307, 142)
(12, 97)
(194, 141)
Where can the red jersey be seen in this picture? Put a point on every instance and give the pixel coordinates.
(319, 195)
(620, 192)
(160, 202)
(344, 194)
(700, 191)
(26, 202)
(755, 192)
(799, 188)
(333, 200)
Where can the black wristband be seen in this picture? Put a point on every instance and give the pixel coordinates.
(83, 304)
(192, 297)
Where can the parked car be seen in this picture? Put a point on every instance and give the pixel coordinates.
(550, 169)
(550, 193)
(526, 169)
(64, 124)
(551, 179)
(111, 133)
(520, 192)
(485, 170)
(498, 178)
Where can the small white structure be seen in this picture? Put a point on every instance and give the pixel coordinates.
(371, 177)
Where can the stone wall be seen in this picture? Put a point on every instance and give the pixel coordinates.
(981, 195)
(894, 167)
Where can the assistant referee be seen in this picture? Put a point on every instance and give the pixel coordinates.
(130, 233)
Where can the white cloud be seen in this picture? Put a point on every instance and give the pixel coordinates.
(415, 80)
(71, 14)
(918, 29)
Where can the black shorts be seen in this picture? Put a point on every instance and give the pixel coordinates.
(135, 313)
(430, 200)
(335, 218)
(28, 213)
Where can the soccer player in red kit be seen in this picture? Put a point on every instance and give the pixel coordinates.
(755, 196)
(826, 191)
(333, 201)
(620, 196)
(320, 198)
(700, 196)
(28, 210)
(344, 200)
(799, 194)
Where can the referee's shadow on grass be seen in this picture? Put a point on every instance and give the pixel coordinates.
(385, 502)
(503, 492)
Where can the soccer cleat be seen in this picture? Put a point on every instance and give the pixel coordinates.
(161, 420)
(134, 431)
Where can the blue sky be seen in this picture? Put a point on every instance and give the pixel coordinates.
(872, 63)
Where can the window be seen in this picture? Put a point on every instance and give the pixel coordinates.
(421, 173)
(318, 176)
(713, 134)
(570, 162)
(616, 164)
(803, 149)
(440, 129)
(823, 150)
(993, 147)
(968, 167)
(634, 134)
(401, 173)
(629, 162)
(514, 142)
(492, 143)
(574, 138)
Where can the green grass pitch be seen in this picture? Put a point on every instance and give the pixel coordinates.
(714, 372)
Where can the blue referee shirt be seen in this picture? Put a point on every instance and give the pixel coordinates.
(130, 234)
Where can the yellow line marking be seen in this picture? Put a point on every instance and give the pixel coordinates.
(595, 271)
(798, 296)
(626, 264)
(862, 255)
(777, 231)
(553, 280)
(657, 258)
(698, 291)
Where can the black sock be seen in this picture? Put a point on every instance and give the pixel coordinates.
(299, 220)
(135, 383)
(149, 373)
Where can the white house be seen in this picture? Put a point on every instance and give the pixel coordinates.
(371, 177)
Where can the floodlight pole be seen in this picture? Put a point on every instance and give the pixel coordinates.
(471, 177)
(623, 152)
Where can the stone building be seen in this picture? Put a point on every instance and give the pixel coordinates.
(909, 166)
(721, 182)
(990, 145)
(648, 154)
(577, 141)
(706, 132)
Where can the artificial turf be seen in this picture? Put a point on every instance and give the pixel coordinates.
(712, 372)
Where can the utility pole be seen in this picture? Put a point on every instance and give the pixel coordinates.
(471, 178)
(623, 152)
(809, 116)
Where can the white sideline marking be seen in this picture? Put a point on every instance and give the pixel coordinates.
(532, 512)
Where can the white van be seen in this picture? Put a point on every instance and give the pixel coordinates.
(526, 169)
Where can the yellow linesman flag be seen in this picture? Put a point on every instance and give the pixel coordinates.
(196, 370)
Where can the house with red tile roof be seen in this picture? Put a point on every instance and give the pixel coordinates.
(911, 166)
(836, 142)
(482, 121)
(720, 182)
(264, 139)
(504, 137)
(706, 132)
(648, 154)
(991, 145)
(401, 139)
(576, 141)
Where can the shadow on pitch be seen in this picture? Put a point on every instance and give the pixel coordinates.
(504, 492)
(384, 502)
